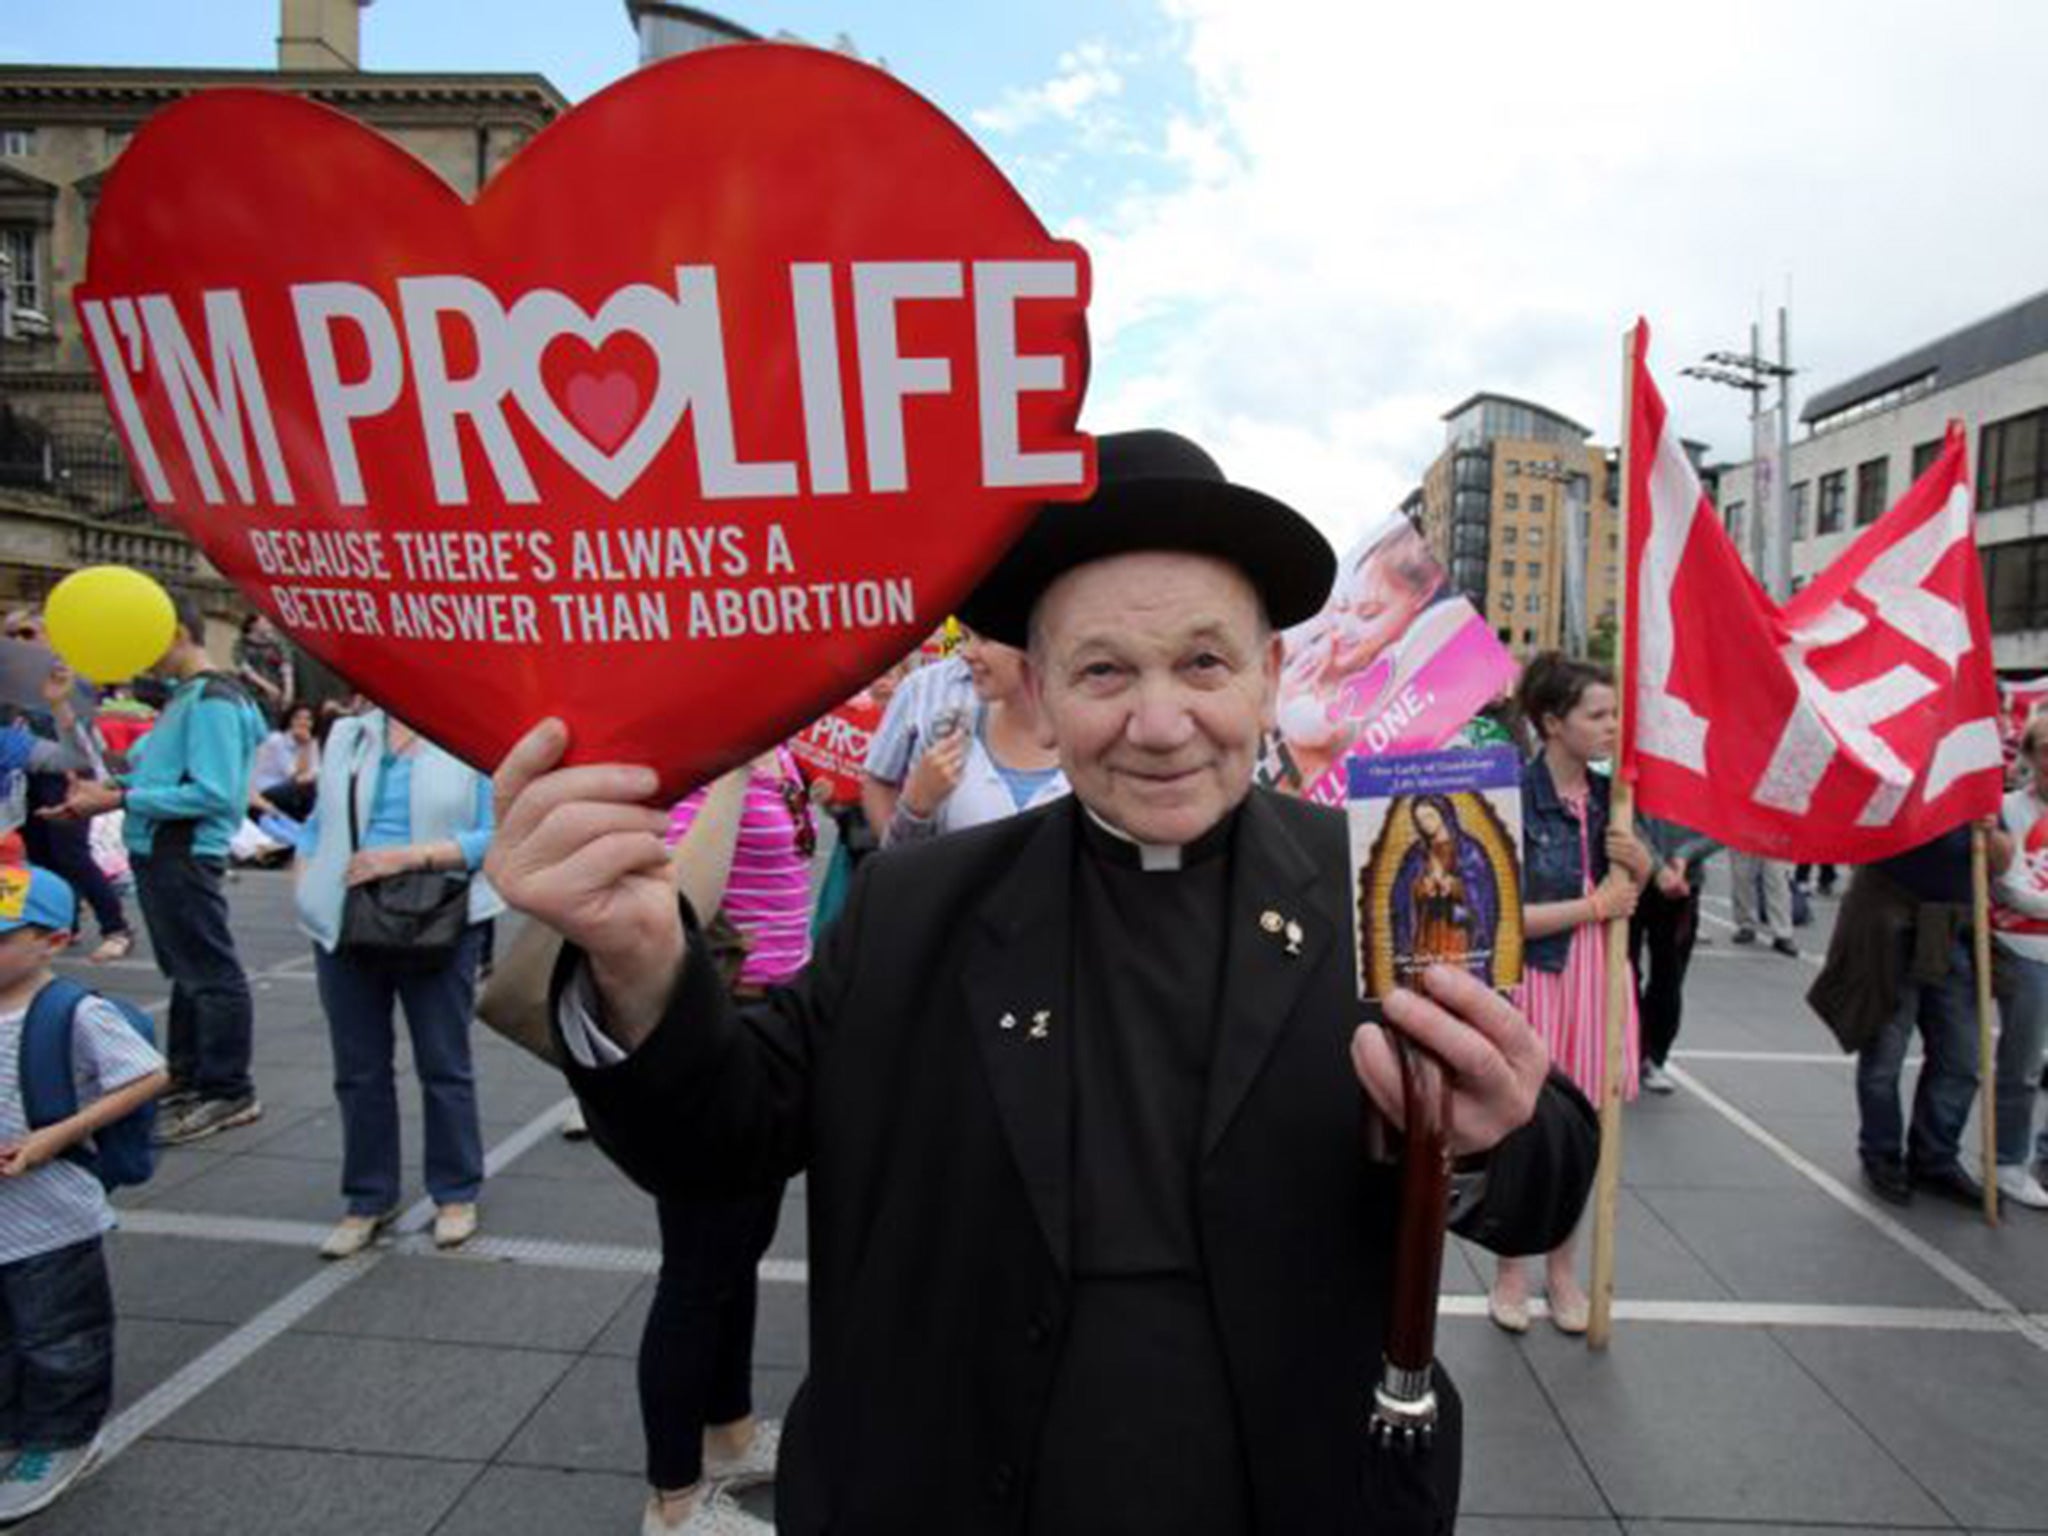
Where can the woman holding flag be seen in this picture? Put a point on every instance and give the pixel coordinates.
(1578, 874)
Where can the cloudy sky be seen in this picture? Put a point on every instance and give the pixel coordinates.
(1317, 225)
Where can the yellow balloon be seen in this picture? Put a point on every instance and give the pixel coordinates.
(109, 622)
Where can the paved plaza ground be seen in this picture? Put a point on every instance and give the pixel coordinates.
(1789, 1356)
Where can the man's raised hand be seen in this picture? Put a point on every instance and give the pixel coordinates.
(580, 850)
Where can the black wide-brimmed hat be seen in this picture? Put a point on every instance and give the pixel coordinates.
(1158, 491)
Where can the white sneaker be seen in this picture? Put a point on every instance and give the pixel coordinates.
(38, 1479)
(756, 1464)
(2016, 1182)
(1657, 1080)
(352, 1234)
(712, 1513)
(574, 1126)
(454, 1224)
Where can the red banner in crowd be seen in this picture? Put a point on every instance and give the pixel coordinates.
(1858, 720)
(834, 748)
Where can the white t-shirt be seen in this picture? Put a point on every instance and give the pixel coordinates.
(2021, 921)
(62, 1203)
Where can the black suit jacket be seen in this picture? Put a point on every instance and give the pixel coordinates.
(919, 1072)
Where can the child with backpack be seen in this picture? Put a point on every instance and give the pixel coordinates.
(78, 1074)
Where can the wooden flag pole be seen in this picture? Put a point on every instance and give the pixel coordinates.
(1987, 1055)
(1622, 815)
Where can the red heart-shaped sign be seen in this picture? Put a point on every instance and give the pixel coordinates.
(721, 394)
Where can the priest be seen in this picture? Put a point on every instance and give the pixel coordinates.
(1099, 1239)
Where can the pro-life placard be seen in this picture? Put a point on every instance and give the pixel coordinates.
(1436, 841)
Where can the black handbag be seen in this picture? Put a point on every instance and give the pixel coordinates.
(409, 921)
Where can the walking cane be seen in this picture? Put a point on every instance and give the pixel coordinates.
(1404, 1405)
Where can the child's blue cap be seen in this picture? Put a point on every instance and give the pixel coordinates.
(31, 897)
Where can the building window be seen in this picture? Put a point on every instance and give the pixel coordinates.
(1731, 518)
(1528, 637)
(2010, 461)
(1799, 499)
(18, 243)
(1507, 534)
(1925, 455)
(1511, 501)
(1514, 466)
(1507, 602)
(1827, 517)
(2016, 585)
(1536, 502)
(1534, 604)
(1535, 537)
(17, 141)
(1507, 570)
(1872, 482)
(1535, 570)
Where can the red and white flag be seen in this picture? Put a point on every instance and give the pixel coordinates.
(1858, 720)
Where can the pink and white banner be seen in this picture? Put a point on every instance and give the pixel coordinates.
(1396, 662)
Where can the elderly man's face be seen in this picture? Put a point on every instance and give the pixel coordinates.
(1157, 673)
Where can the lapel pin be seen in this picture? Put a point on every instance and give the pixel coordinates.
(1041, 1023)
(1007, 1021)
(1294, 937)
(1271, 921)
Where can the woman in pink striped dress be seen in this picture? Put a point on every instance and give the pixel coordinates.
(1578, 873)
(697, 1349)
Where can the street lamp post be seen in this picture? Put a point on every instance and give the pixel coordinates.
(1753, 373)
(1575, 487)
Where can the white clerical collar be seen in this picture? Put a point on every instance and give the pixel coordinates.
(1152, 857)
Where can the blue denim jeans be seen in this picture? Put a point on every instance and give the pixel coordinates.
(56, 1348)
(212, 1019)
(360, 999)
(1944, 1014)
(2022, 1030)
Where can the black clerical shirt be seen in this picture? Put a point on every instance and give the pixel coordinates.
(1142, 1433)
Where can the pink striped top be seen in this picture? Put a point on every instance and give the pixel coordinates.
(768, 896)
(1568, 1008)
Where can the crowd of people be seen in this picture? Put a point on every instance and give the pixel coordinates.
(1034, 1053)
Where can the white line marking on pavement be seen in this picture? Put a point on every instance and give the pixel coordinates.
(289, 1309)
(208, 1227)
(1769, 1314)
(1978, 1290)
(607, 1258)
(1791, 1058)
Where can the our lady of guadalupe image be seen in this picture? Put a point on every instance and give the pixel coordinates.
(1435, 843)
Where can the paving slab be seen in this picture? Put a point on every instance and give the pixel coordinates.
(1966, 1415)
(1670, 1143)
(534, 1501)
(1798, 1245)
(781, 1327)
(1518, 1460)
(590, 1421)
(604, 1210)
(148, 1352)
(252, 1184)
(184, 1280)
(379, 1396)
(1721, 1424)
(456, 1300)
(169, 1488)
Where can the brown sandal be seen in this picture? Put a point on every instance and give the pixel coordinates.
(113, 946)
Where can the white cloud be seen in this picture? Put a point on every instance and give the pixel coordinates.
(1380, 209)
(1086, 76)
